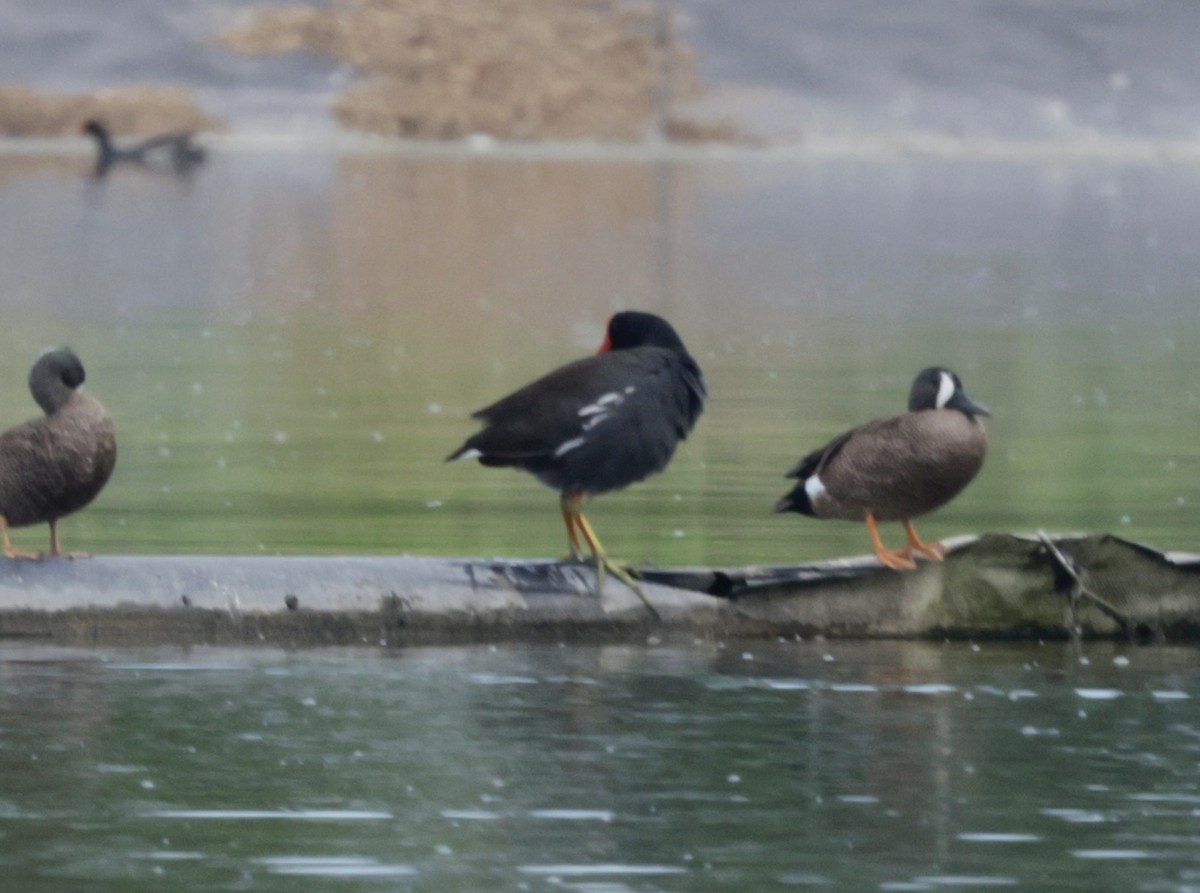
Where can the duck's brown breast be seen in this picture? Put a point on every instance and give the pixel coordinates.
(903, 467)
(57, 464)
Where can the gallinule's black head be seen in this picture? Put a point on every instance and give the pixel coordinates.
(898, 468)
(58, 463)
(632, 328)
(599, 423)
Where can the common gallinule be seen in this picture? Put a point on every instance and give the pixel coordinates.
(173, 150)
(597, 424)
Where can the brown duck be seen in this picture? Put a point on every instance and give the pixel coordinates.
(54, 465)
(899, 468)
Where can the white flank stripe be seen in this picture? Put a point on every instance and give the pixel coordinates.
(815, 488)
(596, 420)
(567, 446)
(469, 454)
(610, 398)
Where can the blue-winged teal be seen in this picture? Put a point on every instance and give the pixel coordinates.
(899, 468)
(54, 465)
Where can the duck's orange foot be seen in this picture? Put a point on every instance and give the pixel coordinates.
(14, 552)
(932, 551)
(897, 561)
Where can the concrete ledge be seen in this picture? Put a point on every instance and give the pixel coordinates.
(990, 586)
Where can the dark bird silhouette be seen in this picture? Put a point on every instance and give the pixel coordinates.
(899, 468)
(54, 465)
(597, 424)
(169, 151)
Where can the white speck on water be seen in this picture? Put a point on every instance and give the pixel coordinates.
(221, 463)
(1109, 854)
(573, 815)
(1035, 732)
(967, 880)
(930, 688)
(998, 837)
(473, 815)
(434, 408)
(164, 452)
(1120, 661)
(746, 655)
(858, 798)
(280, 437)
(197, 388)
(311, 815)
(147, 784)
(1125, 519)
(603, 870)
(309, 702)
(678, 497)
(828, 658)
(377, 436)
(1076, 816)
(678, 534)
(1020, 694)
(498, 679)
(1099, 694)
(118, 769)
(1170, 695)
(433, 504)
(333, 866)
(733, 778)
(853, 687)
(1083, 661)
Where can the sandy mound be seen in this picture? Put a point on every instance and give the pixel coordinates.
(514, 69)
(126, 110)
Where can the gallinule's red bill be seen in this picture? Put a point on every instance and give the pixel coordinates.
(597, 424)
(899, 468)
(54, 465)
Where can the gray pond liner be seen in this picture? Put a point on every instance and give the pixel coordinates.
(992, 586)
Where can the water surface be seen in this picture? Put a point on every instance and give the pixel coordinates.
(748, 766)
(292, 342)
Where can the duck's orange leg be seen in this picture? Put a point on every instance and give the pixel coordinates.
(894, 559)
(9, 549)
(932, 551)
(56, 547)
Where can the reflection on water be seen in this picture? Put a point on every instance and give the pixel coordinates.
(753, 765)
(292, 343)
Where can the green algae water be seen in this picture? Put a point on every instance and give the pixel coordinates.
(698, 767)
(292, 343)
